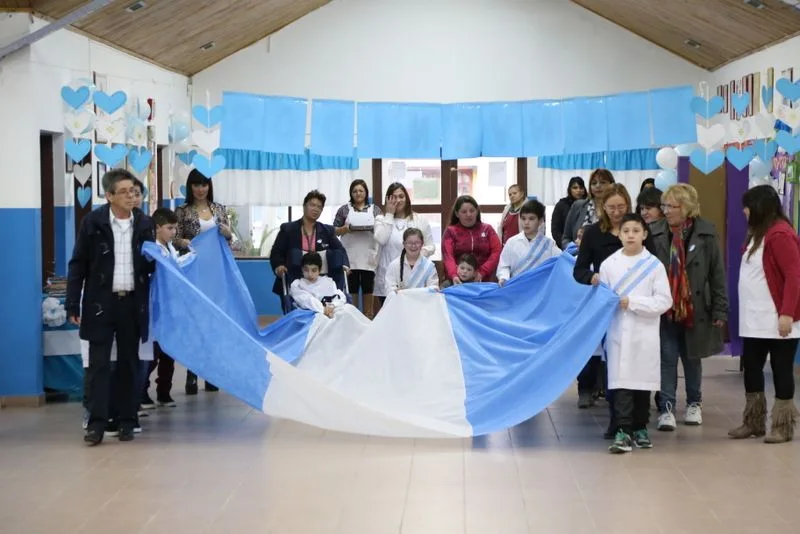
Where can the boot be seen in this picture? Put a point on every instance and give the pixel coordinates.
(754, 418)
(369, 307)
(784, 419)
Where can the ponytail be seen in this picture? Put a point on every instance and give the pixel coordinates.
(402, 261)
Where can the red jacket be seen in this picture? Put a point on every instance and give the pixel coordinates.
(481, 241)
(782, 268)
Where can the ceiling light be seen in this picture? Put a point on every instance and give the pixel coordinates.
(133, 8)
(208, 46)
(692, 43)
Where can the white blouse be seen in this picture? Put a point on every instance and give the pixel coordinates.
(389, 235)
(206, 225)
(758, 316)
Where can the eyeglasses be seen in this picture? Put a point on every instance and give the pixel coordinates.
(667, 207)
(413, 244)
(621, 208)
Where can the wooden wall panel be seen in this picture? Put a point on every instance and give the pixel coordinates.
(711, 190)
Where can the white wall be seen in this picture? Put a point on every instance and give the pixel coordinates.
(30, 84)
(446, 51)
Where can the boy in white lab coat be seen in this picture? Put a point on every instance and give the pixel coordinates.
(632, 344)
(530, 247)
(315, 292)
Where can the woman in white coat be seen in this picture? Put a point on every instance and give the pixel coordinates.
(633, 343)
(389, 229)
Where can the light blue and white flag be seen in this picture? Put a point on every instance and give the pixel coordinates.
(467, 361)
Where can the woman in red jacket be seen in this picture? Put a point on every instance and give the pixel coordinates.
(468, 235)
(769, 315)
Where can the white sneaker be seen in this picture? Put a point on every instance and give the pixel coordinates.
(694, 415)
(666, 420)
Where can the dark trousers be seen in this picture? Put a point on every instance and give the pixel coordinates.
(99, 373)
(166, 369)
(631, 409)
(781, 359)
(588, 377)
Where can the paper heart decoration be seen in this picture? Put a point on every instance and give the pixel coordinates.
(84, 195)
(711, 136)
(765, 123)
(788, 89)
(110, 155)
(740, 102)
(758, 169)
(789, 116)
(110, 103)
(706, 162)
(741, 130)
(75, 98)
(82, 173)
(208, 167)
(766, 95)
(208, 117)
(186, 157)
(77, 149)
(140, 159)
(707, 108)
(79, 122)
(182, 189)
(740, 157)
(110, 128)
(765, 149)
(789, 143)
(207, 141)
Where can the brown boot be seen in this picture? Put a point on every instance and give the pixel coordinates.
(754, 419)
(784, 419)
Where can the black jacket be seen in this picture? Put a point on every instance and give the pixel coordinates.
(290, 237)
(596, 247)
(91, 271)
(559, 219)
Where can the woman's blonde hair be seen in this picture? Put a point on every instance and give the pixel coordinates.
(613, 190)
(686, 197)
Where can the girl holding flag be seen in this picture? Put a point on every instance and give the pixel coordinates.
(529, 248)
(412, 269)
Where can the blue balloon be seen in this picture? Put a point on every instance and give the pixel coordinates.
(178, 131)
(666, 178)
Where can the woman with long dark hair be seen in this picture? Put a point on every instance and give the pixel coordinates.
(585, 212)
(468, 235)
(576, 190)
(769, 315)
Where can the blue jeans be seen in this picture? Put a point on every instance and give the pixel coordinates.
(673, 349)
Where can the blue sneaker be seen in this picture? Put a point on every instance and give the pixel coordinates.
(622, 443)
(641, 439)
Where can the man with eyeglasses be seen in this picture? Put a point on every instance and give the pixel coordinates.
(108, 269)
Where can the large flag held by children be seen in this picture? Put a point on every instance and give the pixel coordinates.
(467, 361)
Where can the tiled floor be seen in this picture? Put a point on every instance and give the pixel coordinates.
(213, 465)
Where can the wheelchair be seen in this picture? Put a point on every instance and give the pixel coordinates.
(335, 262)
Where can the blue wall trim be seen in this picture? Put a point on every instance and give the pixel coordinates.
(21, 305)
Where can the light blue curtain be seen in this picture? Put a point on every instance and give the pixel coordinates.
(642, 159)
(254, 160)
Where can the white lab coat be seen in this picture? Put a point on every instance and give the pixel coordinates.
(309, 295)
(429, 277)
(389, 235)
(633, 345)
(515, 252)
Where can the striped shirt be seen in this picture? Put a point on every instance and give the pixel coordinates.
(123, 253)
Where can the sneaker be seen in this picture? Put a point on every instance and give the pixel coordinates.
(142, 412)
(167, 402)
(694, 415)
(85, 422)
(585, 400)
(666, 420)
(147, 403)
(126, 434)
(137, 428)
(622, 443)
(112, 430)
(641, 439)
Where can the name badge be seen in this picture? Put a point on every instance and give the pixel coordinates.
(691, 248)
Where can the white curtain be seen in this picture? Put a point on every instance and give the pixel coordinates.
(281, 188)
(550, 185)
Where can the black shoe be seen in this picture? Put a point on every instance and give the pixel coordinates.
(211, 387)
(147, 403)
(166, 401)
(126, 434)
(191, 387)
(585, 400)
(112, 430)
(93, 437)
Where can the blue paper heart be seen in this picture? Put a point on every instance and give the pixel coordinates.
(707, 108)
(740, 102)
(75, 98)
(110, 155)
(186, 157)
(740, 158)
(77, 148)
(706, 162)
(788, 89)
(789, 143)
(182, 189)
(110, 103)
(206, 167)
(84, 195)
(140, 159)
(766, 95)
(208, 117)
(765, 149)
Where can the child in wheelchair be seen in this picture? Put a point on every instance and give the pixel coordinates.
(316, 292)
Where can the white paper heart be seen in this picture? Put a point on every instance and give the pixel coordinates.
(110, 128)
(137, 135)
(82, 173)
(711, 136)
(765, 123)
(740, 130)
(79, 122)
(789, 116)
(208, 142)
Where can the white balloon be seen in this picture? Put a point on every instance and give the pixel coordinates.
(666, 178)
(686, 149)
(667, 158)
(758, 169)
